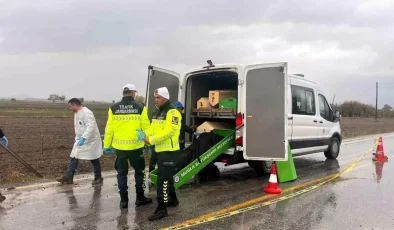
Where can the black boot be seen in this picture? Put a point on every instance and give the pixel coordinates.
(97, 180)
(124, 200)
(65, 180)
(173, 200)
(161, 212)
(141, 199)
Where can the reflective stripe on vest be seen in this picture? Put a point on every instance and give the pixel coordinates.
(167, 145)
(127, 142)
(127, 117)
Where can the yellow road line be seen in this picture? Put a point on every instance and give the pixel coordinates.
(266, 197)
(365, 165)
(348, 156)
(244, 207)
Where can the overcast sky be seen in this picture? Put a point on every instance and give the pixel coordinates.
(91, 48)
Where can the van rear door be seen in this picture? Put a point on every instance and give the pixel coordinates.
(265, 105)
(158, 78)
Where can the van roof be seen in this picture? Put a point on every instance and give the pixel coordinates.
(216, 66)
(301, 80)
(297, 80)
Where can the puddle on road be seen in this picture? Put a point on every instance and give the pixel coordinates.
(379, 170)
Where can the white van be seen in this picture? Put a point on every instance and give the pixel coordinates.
(274, 109)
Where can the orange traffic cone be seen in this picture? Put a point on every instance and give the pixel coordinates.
(379, 155)
(272, 186)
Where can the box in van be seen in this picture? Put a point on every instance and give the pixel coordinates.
(216, 96)
(203, 103)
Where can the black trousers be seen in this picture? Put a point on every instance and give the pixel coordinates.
(137, 161)
(153, 159)
(165, 181)
(182, 145)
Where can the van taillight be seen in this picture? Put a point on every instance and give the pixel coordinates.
(239, 141)
(238, 120)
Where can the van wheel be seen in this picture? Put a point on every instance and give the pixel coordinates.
(333, 148)
(261, 168)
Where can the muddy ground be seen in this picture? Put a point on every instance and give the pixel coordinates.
(46, 142)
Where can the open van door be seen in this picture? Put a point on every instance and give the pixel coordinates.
(265, 105)
(157, 78)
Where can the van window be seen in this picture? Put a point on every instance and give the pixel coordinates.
(303, 100)
(324, 109)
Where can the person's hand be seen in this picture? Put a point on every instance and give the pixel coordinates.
(146, 140)
(141, 135)
(194, 127)
(4, 140)
(107, 150)
(81, 141)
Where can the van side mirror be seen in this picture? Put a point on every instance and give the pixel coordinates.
(337, 115)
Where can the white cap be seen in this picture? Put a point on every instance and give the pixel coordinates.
(129, 87)
(163, 91)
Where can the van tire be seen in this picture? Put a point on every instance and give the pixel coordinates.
(261, 168)
(333, 148)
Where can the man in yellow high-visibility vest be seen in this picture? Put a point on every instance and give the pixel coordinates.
(164, 135)
(126, 119)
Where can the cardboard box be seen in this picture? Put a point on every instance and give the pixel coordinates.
(208, 126)
(229, 103)
(215, 96)
(203, 103)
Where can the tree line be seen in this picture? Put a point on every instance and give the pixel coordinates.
(56, 97)
(359, 109)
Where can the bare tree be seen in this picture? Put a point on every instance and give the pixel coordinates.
(62, 98)
(387, 107)
(54, 98)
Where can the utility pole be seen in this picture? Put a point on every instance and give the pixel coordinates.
(376, 111)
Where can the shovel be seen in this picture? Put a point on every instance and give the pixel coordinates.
(21, 160)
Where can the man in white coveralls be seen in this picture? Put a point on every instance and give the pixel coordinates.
(87, 145)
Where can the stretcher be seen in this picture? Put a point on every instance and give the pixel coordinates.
(194, 167)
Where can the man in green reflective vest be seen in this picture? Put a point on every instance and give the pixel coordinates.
(164, 135)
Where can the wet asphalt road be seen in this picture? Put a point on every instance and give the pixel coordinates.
(360, 199)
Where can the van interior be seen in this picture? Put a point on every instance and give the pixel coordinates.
(199, 85)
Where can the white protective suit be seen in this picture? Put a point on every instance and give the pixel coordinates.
(85, 126)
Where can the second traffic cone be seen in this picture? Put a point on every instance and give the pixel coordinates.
(379, 155)
(272, 186)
